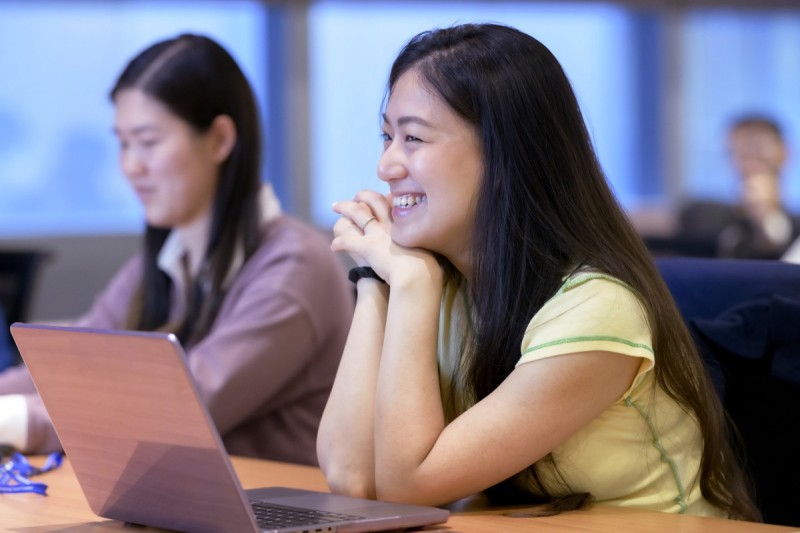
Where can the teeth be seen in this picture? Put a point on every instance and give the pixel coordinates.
(408, 200)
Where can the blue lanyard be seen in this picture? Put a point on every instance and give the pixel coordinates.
(15, 472)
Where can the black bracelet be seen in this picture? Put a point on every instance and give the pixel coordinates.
(357, 273)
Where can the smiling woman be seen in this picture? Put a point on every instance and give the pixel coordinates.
(256, 297)
(523, 342)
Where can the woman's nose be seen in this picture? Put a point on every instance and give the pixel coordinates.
(391, 166)
(130, 164)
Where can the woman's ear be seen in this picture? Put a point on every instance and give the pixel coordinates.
(223, 136)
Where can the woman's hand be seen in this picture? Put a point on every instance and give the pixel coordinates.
(364, 231)
(350, 231)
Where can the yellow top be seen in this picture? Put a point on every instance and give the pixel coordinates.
(644, 450)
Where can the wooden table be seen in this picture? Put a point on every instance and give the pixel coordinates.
(65, 510)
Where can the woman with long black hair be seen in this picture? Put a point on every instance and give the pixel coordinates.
(256, 297)
(511, 332)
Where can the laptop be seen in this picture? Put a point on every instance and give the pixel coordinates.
(145, 450)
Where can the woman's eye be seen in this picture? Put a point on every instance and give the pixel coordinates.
(411, 138)
(385, 137)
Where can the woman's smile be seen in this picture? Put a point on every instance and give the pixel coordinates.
(404, 204)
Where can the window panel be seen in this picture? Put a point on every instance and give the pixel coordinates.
(736, 62)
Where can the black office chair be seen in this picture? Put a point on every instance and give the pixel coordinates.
(745, 318)
(8, 357)
(19, 272)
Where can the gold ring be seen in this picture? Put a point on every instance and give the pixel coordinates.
(370, 219)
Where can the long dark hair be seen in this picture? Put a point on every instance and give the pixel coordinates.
(197, 80)
(544, 208)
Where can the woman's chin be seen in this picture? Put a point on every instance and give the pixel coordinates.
(404, 238)
(158, 222)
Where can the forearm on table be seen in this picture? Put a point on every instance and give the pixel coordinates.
(26, 420)
(14, 421)
(345, 442)
(409, 414)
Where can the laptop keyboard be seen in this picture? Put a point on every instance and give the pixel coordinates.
(272, 516)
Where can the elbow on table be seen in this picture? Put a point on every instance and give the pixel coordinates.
(397, 492)
(349, 483)
(391, 494)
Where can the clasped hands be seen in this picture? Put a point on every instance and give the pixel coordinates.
(364, 231)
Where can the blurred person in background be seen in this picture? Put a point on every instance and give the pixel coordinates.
(759, 226)
(257, 299)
